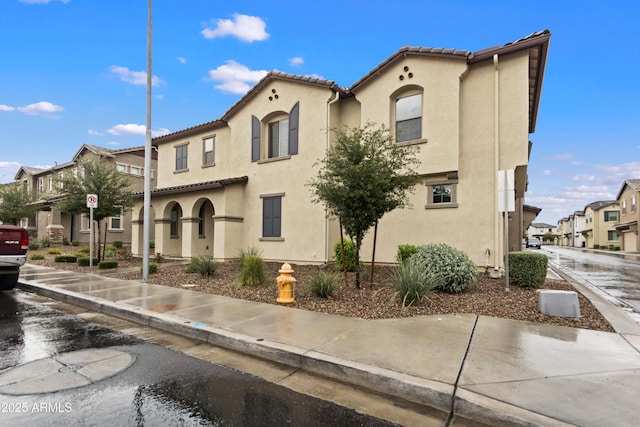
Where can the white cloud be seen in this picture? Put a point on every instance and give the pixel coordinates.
(134, 77)
(235, 78)
(113, 143)
(558, 157)
(246, 28)
(128, 129)
(8, 171)
(134, 129)
(182, 60)
(39, 108)
(547, 172)
(6, 108)
(95, 132)
(296, 61)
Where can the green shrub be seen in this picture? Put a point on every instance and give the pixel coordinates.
(107, 263)
(65, 241)
(34, 245)
(616, 248)
(201, 264)
(54, 251)
(323, 284)
(117, 244)
(45, 242)
(405, 251)
(349, 255)
(109, 252)
(528, 269)
(84, 250)
(159, 257)
(596, 246)
(252, 272)
(152, 244)
(35, 257)
(84, 261)
(250, 251)
(66, 258)
(413, 283)
(453, 266)
(75, 243)
(153, 268)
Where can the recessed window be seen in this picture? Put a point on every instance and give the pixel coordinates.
(276, 136)
(201, 214)
(442, 193)
(181, 157)
(207, 151)
(121, 168)
(176, 214)
(610, 216)
(613, 235)
(271, 216)
(115, 223)
(633, 204)
(409, 118)
(624, 207)
(136, 170)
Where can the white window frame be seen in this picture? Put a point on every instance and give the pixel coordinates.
(412, 116)
(177, 148)
(633, 204)
(283, 138)
(119, 218)
(205, 141)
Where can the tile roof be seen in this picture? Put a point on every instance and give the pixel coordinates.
(600, 204)
(634, 184)
(207, 185)
(536, 42)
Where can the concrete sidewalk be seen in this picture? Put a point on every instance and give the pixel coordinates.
(466, 367)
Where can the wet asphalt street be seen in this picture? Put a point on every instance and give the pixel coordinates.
(615, 276)
(162, 387)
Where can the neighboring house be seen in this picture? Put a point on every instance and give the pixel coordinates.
(627, 199)
(570, 230)
(241, 180)
(539, 229)
(59, 226)
(601, 219)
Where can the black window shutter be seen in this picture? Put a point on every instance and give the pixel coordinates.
(255, 139)
(294, 117)
(277, 216)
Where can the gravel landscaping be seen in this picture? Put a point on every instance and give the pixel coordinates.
(486, 297)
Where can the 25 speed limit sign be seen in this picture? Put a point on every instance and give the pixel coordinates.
(92, 200)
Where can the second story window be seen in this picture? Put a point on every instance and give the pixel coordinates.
(50, 183)
(409, 118)
(633, 204)
(276, 135)
(181, 157)
(442, 193)
(624, 207)
(60, 180)
(610, 216)
(40, 183)
(278, 138)
(208, 157)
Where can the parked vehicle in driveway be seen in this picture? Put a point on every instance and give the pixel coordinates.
(533, 242)
(14, 242)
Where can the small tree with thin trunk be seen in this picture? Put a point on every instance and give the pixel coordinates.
(95, 176)
(16, 202)
(364, 175)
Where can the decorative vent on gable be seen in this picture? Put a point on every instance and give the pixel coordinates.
(274, 96)
(407, 72)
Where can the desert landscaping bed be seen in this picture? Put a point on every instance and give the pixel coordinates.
(486, 297)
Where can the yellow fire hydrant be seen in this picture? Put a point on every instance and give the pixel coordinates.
(285, 283)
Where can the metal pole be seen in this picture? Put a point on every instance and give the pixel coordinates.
(506, 250)
(147, 160)
(90, 237)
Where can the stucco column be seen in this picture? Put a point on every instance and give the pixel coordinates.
(162, 232)
(136, 242)
(227, 242)
(189, 235)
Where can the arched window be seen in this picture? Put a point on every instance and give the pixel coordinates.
(176, 214)
(201, 214)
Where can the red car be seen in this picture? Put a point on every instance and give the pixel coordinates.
(14, 242)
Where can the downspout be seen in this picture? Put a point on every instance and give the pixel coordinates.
(497, 229)
(332, 100)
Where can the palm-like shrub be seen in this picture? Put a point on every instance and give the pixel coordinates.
(455, 268)
(413, 283)
(323, 284)
(201, 264)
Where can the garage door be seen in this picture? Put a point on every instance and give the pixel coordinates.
(629, 241)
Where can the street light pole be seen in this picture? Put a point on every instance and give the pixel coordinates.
(147, 159)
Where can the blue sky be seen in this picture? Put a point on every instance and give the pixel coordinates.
(74, 72)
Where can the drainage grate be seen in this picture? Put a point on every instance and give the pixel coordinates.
(71, 368)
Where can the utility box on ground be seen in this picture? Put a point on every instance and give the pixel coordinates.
(558, 303)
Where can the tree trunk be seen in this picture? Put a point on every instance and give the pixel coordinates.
(344, 263)
(358, 243)
(373, 257)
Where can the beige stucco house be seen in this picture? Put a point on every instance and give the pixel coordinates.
(241, 180)
(627, 199)
(62, 227)
(600, 220)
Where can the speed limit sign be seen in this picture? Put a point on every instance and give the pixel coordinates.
(92, 200)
